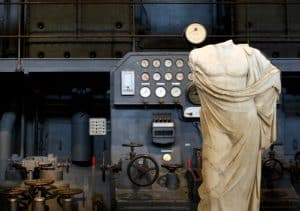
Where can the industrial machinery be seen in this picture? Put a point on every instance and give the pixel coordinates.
(155, 106)
(98, 110)
(146, 154)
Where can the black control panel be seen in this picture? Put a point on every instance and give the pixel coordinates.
(155, 79)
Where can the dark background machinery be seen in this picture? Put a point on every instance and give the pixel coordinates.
(97, 95)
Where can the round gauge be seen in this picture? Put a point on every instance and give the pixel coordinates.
(145, 76)
(145, 63)
(156, 63)
(160, 92)
(195, 33)
(175, 92)
(190, 76)
(168, 63)
(193, 95)
(179, 63)
(156, 76)
(167, 157)
(179, 76)
(145, 92)
(168, 76)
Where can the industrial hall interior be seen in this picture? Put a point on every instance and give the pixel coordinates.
(149, 105)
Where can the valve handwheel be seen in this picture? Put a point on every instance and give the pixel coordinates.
(171, 167)
(132, 147)
(131, 144)
(68, 192)
(18, 193)
(143, 170)
(273, 169)
(39, 182)
(13, 192)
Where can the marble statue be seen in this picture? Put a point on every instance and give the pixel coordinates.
(238, 89)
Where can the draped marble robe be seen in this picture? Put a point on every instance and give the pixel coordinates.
(238, 89)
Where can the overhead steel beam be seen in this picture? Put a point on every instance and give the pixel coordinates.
(57, 65)
(101, 65)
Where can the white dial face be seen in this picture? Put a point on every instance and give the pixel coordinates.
(168, 76)
(145, 92)
(167, 157)
(179, 63)
(195, 33)
(145, 63)
(175, 92)
(179, 76)
(156, 76)
(190, 76)
(160, 92)
(156, 63)
(145, 76)
(168, 63)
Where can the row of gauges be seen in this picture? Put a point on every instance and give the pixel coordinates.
(175, 92)
(167, 76)
(160, 92)
(145, 63)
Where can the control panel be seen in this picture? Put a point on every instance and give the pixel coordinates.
(151, 142)
(156, 79)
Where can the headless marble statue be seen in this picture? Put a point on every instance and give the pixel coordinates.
(238, 88)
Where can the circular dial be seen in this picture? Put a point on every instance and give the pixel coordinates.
(168, 63)
(145, 63)
(156, 76)
(145, 76)
(175, 91)
(168, 76)
(179, 63)
(193, 95)
(156, 63)
(190, 76)
(160, 92)
(195, 33)
(145, 92)
(179, 76)
(167, 157)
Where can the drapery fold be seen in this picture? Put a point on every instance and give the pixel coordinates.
(236, 124)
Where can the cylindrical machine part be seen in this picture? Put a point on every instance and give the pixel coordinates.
(13, 204)
(5, 144)
(29, 146)
(38, 204)
(30, 175)
(81, 142)
(67, 204)
(52, 202)
(172, 180)
(56, 174)
(6, 126)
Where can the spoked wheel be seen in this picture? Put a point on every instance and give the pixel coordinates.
(143, 170)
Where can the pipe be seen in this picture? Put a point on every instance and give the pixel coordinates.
(38, 204)
(29, 146)
(13, 204)
(67, 204)
(6, 126)
(81, 142)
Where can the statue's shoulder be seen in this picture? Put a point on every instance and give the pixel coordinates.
(203, 53)
(248, 49)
